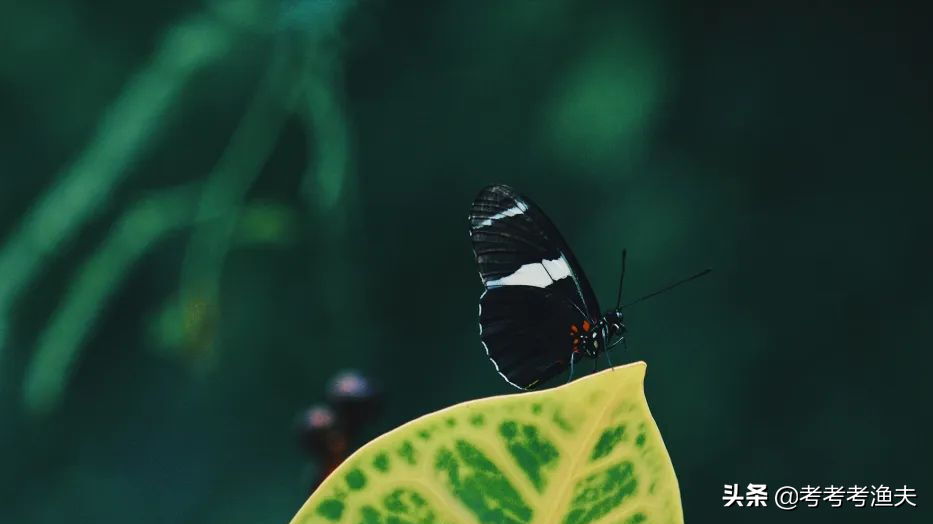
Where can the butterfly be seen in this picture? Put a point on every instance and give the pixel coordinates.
(538, 314)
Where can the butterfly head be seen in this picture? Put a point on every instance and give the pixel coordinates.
(615, 328)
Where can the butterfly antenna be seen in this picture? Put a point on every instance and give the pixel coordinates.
(621, 279)
(668, 288)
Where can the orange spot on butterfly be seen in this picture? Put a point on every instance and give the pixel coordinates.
(573, 328)
(586, 325)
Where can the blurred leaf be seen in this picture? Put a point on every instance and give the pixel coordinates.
(267, 223)
(185, 329)
(59, 345)
(585, 452)
(602, 110)
(124, 133)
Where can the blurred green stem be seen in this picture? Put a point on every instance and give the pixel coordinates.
(228, 184)
(329, 190)
(329, 136)
(328, 184)
(58, 347)
(304, 78)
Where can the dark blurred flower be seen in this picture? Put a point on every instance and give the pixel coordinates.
(320, 434)
(355, 398)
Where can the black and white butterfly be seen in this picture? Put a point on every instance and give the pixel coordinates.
(538, 314)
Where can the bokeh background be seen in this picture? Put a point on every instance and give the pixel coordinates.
(207, 208)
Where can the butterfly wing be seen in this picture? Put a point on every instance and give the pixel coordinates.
(535, 289)
(526, 333)
(516, 244)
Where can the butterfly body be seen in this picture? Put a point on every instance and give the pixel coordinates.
(538, 313)
(591, 339)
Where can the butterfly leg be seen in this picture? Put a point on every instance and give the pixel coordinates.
(614, 344)
(609, 360)
(570, 376)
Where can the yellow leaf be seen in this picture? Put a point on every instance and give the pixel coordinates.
(584, 453)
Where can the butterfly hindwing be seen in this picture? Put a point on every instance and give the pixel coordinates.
(526, 332)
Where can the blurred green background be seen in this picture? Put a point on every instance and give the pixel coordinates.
(208, 208)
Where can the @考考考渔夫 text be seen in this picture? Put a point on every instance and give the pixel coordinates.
(789, 497)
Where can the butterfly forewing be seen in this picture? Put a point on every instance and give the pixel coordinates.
(535, 290)
(516, 244)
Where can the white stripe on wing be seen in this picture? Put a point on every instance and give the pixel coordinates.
(517, 209)
(537, 274)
